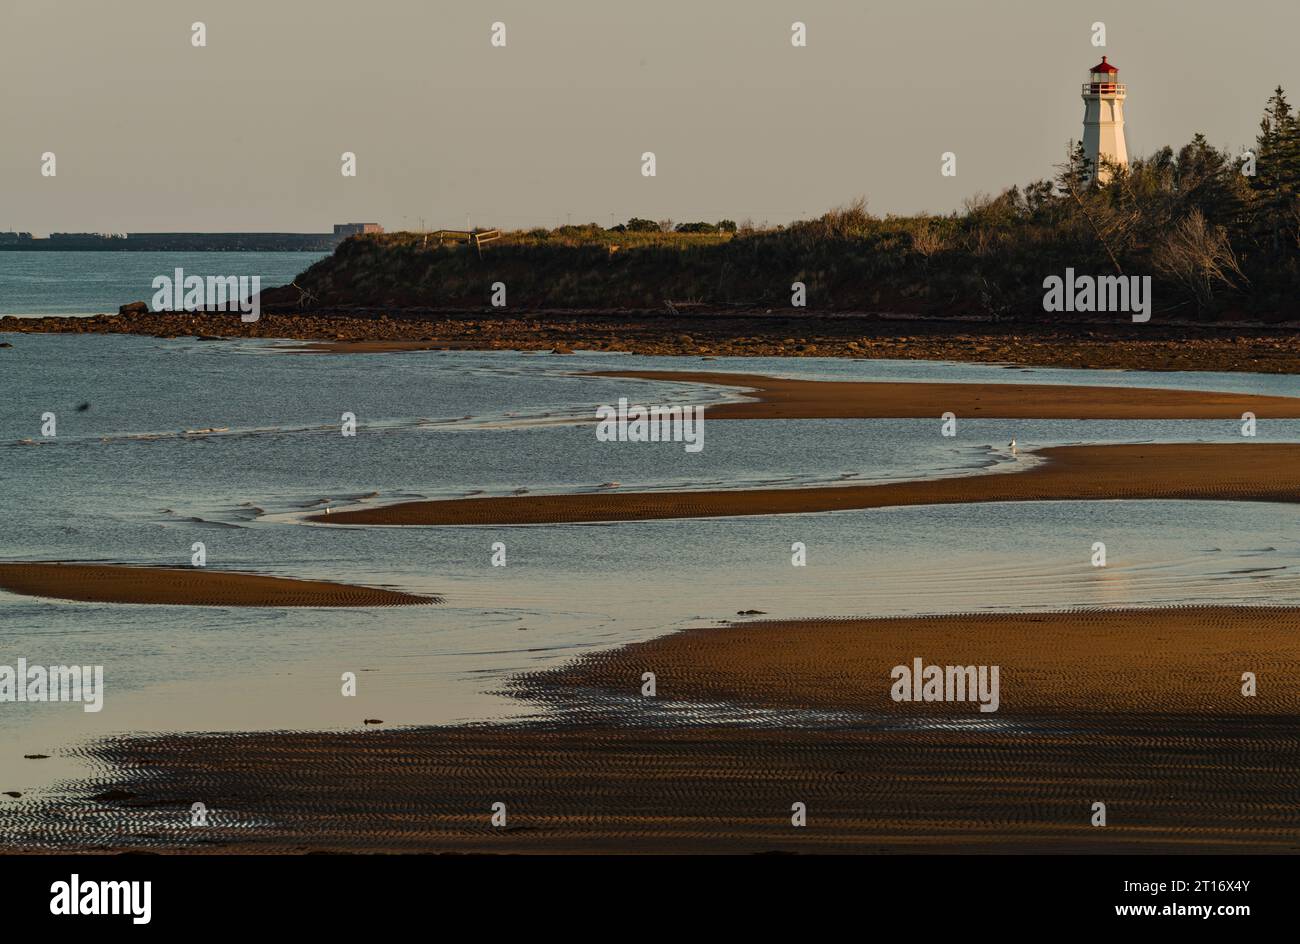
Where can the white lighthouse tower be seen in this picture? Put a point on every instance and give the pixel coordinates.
(1103, 119)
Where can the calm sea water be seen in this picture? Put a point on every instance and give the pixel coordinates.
(123, 481)
(89, 283)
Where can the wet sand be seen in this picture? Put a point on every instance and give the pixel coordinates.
(778, 398)
(1140, 710)
(1245, 471)
(187, 586)
(1182, 660)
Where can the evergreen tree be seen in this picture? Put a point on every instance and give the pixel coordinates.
(1277, 179)
(1073, 176)
(1209, 180)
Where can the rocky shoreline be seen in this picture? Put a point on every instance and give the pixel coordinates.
(1099, 345)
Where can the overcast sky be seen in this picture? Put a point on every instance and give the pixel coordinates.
(151, 133)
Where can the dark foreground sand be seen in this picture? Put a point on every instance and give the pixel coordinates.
(187, 586)
(1140, 710)
(1246, 471)
(778, 398)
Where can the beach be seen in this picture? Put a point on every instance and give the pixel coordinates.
(666, 430)
(1119, 684)
(1208, 471)
(186, 586)
(795, 399)
(1196, 471)
(1140, 710)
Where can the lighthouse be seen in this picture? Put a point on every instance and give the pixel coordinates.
(1103, 119)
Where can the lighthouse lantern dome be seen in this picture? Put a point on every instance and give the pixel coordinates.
(1103, 77)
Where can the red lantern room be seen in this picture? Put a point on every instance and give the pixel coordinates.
(1103, 78)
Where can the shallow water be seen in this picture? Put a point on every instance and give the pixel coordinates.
(123, 481)
(47, 282)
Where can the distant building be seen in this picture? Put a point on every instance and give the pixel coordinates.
(344, 230)
(1103, 119)
(13, 238)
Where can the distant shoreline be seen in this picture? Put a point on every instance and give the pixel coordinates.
(310, 247)
(252, 241)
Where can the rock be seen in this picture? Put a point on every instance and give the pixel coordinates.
(13, 793)
(5, 344)
(134, 308)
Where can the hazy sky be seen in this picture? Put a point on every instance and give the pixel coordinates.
(151, 133)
